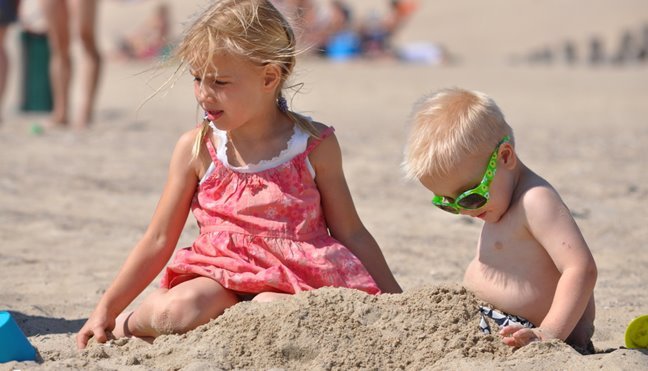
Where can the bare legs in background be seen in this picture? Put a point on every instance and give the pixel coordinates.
(4, 65)
(65, 18)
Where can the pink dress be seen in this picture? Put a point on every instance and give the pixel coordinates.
(265, 231)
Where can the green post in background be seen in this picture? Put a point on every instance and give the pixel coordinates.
(36, 89)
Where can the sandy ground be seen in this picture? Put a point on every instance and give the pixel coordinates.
(73, 204)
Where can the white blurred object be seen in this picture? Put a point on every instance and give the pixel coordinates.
(422, 52)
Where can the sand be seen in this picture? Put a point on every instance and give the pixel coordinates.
(72, 205)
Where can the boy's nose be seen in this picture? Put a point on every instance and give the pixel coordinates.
(471, 213)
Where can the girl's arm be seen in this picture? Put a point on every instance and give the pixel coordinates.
(154, 249)
(343, 221)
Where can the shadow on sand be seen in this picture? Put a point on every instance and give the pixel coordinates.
(38, 325)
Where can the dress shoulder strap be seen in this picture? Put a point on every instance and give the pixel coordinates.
(214, 134)
(314, 142)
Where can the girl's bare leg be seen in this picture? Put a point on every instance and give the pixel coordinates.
(60, 64)
(86, 14)
(176, 310)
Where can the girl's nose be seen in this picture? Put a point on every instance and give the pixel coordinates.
(205, 90)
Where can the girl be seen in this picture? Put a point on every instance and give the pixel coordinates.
(265, 185)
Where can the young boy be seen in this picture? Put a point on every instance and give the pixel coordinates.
(532, 262)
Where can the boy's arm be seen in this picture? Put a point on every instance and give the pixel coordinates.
(551, 223)
(342, 219)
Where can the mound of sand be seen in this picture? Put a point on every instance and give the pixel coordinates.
(323, 329)
(431, 327)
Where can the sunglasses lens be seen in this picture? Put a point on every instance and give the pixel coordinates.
(473, 201)
(449, 209)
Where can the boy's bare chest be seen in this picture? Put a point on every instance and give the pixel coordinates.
(511, 271)
(506, 245)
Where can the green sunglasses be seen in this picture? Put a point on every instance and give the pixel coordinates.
(473, 198)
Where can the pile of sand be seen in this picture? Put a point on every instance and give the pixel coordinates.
(323, 329)
(432, 328)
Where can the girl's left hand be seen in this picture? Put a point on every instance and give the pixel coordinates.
(519, 336)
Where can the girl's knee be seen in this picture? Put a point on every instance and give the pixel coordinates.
(183, 310)
(170, 316)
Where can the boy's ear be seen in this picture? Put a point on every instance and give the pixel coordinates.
(507, 154)
(271, 77)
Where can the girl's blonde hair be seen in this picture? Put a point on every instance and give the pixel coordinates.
(252, 29)
(448, 126)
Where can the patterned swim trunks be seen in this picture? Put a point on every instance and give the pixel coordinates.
(501, 319)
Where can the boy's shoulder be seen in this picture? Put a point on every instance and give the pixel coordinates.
(539, 200)
(539, 196)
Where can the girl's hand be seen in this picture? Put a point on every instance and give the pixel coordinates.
(519, 336)
(98, 326)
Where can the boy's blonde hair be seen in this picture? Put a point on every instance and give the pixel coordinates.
(252, 29)
(448, 126)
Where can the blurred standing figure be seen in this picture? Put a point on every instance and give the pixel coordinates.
(78, 16)
(151, 39)
(8, 15)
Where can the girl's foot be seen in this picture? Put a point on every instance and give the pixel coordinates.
(121, 328)
(265, 297)
(121, 325)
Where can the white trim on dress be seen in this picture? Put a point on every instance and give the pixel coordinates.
(296, 145)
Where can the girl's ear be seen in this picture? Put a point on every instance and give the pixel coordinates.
(271, 77)
(507, 155)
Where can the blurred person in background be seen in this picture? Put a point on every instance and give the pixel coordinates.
(378, 30)
(8, 15)
(65, 17)
(150, 39)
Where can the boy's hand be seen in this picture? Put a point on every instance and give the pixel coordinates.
(519, 336)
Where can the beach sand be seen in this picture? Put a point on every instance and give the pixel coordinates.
(72, 205)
